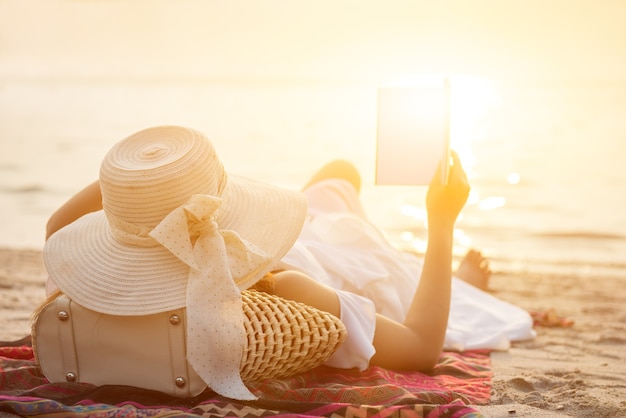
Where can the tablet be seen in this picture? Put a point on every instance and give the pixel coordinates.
(412, 134)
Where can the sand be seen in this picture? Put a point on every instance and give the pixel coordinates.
(577, 371)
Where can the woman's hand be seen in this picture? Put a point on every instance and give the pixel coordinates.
(445, 201)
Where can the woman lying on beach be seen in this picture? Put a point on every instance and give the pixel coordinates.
(399, 311)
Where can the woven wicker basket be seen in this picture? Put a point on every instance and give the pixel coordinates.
(285, 337)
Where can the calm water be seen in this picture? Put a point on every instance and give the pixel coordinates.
(546, 163)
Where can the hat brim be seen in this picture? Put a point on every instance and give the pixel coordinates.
(97, 271)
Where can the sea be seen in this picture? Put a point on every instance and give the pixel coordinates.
(546, 161)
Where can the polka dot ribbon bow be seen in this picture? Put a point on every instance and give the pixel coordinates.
(215, 331)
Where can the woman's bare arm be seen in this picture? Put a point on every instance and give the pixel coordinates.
(87, 200)
(427, 318)
(418, 342)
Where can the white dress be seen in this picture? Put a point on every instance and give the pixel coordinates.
(339, 247)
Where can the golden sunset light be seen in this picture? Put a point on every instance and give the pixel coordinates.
(281, 40)
(201, 198)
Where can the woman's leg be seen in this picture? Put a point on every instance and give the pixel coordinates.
(474, 269)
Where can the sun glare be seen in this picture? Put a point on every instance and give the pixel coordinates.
(513, 178)
(471, 97)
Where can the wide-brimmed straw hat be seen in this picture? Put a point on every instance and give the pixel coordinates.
(177, 231)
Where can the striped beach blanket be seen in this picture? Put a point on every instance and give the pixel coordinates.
(459, 381)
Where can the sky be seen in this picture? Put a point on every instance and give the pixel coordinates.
(313, 41)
